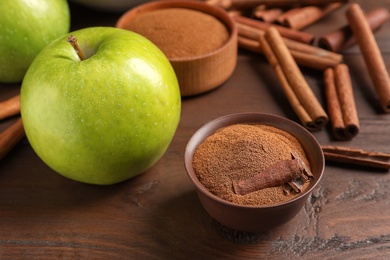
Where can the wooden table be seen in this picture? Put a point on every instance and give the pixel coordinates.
(158, 216)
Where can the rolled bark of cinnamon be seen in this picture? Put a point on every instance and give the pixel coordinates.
(313, 61)
(226, 4)
(304, 54)
(371, 53)
(296, 80)
(280, 20)
(248, 31)
(254, 33)
(341, 103)
(309, 49)
(285, 32)
(343, 37)
(10, 107)
(355, 156)
(334, 109)
(279, 173)
(308, 15)
(303, 59)
(347, 101)
(299, 110)
(267, 15)
(10, 137)
(249, 44)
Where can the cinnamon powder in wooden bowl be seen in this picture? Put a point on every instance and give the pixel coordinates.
(231, 158)
(199, 40)
(180, 32)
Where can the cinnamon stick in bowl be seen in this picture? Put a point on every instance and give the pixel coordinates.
(371, 53)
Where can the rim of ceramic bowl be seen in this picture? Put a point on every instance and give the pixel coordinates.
(216, 12)
(266, 119)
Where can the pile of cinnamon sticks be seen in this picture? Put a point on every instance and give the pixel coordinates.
(12, 135)
(273, 28)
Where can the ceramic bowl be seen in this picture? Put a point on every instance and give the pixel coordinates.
(255, 218)
(202, 73)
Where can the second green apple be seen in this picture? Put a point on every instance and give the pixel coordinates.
(26, 27)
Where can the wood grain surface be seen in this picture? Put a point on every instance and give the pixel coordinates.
(157, 215)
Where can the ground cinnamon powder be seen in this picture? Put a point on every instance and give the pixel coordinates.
(236, 152)
(181, 32)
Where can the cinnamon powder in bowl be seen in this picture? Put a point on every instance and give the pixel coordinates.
(239, 163)
(237, 153)
(199, 40)
(169, 29)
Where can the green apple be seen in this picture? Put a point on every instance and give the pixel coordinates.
(106, 118)
(26, 27)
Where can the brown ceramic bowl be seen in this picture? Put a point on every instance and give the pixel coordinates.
(202, 73)
(255, 218)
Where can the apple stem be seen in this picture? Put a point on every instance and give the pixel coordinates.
(73, 41)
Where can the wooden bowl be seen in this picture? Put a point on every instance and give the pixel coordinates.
(202, 73)
(255, 218)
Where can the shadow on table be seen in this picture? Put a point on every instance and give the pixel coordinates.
(183, 226)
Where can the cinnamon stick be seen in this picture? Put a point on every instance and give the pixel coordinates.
(371, 53)
(308, 15)
(304, 54)
(343, 37)
(285, 32)
(267, 15)
(303, 59)
(299, 110)
(281, 172)
(10, 137)
(254, 33)
(295, 78)
(347, 101)
(248, 31)
(316, 51)
(226, 4)
(281, 19)
(355, 156)
(249, 44)
(10, 107)
(313, 61)
(334, 109)
(341, 102)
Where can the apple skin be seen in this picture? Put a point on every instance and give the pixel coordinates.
(107, 118)
(26, 27)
